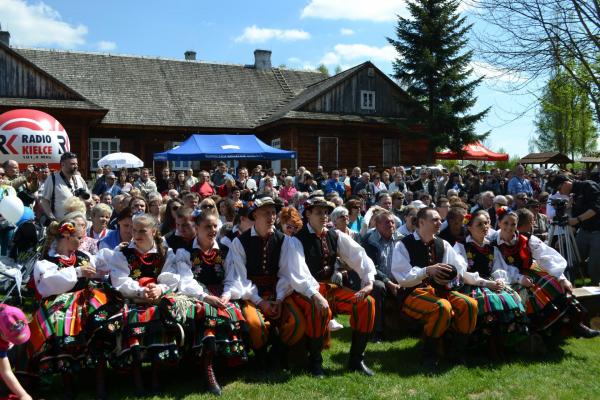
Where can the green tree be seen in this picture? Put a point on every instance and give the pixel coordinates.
(323, 69)
(433, 66)
(338, 69)
(565, 120)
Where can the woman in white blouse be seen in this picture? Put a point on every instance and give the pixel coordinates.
(145, 272)
(536, 271)
(70, 286)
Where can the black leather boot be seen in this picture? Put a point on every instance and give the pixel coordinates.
(431, 359)
(581, 330)
(357, 353)
(209, 374)
(458, 349)
(278, 355)
(315, 358)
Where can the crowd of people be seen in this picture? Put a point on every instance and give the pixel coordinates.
(218, 265)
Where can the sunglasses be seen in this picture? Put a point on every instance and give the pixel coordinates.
(206, 206)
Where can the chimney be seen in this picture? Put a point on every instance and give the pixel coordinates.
(190, 55)
(262, 59)
(4, 37)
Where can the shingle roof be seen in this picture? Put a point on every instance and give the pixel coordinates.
(47, 103)
(549, 157)
(160, 92)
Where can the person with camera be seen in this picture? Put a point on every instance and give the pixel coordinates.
(60, 186)
(585, 215)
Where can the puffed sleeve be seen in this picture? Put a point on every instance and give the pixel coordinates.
(355, 256)
(119, 273)
(236, 283)
(168, 279)
(547, 258)
(501, 270)
(51, 280)
(293, 272)
(404, 273)
(187, 284)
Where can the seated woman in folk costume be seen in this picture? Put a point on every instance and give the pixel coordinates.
(145, 272)
(214, 326)
(501, 316)
(536, 272)
(75, 325)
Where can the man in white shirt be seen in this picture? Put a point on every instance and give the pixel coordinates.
(61, 186)
(426, 267)
(145, 184)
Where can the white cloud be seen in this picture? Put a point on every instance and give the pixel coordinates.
(370, 10)
(346, 32)
(347, 53)
(254, 34)
(39, 25)
(105, 45)
(494, 73)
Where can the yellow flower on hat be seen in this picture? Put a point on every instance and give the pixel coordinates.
(511, 259)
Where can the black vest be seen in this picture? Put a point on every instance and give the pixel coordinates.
(262, 265)
(209, 272)
(149, 266)
(320, 267)
(417, 251)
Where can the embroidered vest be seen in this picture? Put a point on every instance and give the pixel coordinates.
(142, 266)
(320, 253)
(262, 260)
(517, 255)
(480, 259)
(208, 268)
(418, 252)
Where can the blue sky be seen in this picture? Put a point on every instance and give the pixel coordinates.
(301, 34)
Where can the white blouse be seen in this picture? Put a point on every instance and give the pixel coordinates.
(119, 272)
(293, 272)
(51, 280)
(548, 259)
(408, 275)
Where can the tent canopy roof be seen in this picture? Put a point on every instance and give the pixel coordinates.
(473, 151)
(223, 147)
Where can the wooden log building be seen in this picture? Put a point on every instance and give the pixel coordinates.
(109, 103)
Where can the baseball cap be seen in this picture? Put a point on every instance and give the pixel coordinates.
(13, 325)
(560, 179)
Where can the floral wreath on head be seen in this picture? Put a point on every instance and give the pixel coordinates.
(501, 212)
(467, 218)
(67, 227)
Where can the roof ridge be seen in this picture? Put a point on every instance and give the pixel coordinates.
(158, 58)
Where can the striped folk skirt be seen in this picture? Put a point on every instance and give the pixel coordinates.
(210, 329)
(148, 334)
(498, 312)
(545, 302)
(72, 330)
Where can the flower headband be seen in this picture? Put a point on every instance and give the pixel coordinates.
(67, 227)
(501, 211)
(467, 218)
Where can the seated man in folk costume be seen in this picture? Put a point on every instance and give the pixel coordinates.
(263, 268)
(428, 268)
(321, 247)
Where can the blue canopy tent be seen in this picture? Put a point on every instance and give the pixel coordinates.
(223, 147)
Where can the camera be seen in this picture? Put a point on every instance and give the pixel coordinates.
(560, 207)
(82, 194)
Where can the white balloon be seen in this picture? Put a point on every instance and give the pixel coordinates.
(11, 208)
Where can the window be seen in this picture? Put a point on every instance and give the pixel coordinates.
(391, 152)
(367, 100)
(328, 152)
(276, 164)
(102, 147)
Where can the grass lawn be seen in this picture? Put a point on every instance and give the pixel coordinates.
(570, 372)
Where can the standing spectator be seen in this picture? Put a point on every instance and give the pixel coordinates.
(364, 184)
(268, 188)
(123, 183)
(519, 183)
(28, 181)
(455, 183)
(333, 184)
(145, 184)
(60, 186)
(203, 187)
(111, 186)
(270, 174)
(246, 184)
(540, 221)
(490, 183)
(218, 178)
(319, 177)
(101, 186)
(424, 184)
(190, 179)
(355, 178)
(288, 191)
(378, 184)
(181, 182)
(162, 182)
